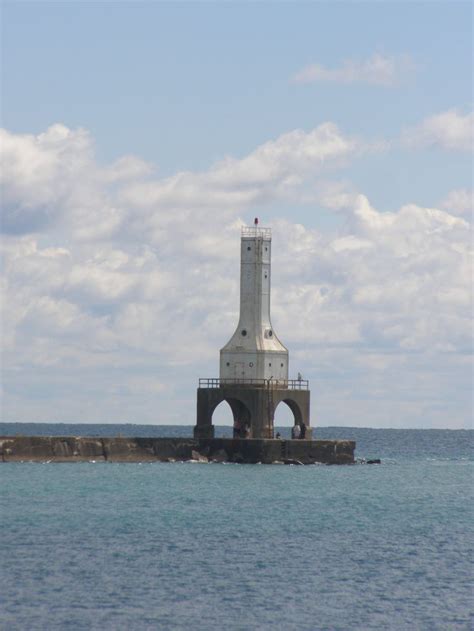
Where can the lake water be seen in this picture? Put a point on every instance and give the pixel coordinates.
(220, 546)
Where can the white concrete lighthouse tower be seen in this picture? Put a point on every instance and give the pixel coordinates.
(254, 352)
(253, 376)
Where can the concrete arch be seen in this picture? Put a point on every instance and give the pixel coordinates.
(238, 408)
(295, 409)
(254, 406)
(223, 414)
(237, 405)
(207, 402)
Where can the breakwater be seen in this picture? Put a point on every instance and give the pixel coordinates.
(126, 449)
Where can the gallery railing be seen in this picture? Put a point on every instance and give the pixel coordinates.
(285, 384)
(256, 231)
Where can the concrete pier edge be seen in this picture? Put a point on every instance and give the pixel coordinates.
(126, 449)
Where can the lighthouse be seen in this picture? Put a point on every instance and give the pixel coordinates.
(254, 352)
(253, 366)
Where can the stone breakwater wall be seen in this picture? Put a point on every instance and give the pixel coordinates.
(87, 449)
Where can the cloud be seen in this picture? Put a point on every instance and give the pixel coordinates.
(381, 70)
(53, 176)
(121, 296)
(126, 168)
(53, 182)
(459, 202)
(33, 173)
(450, 130)
(389, 280)
(267, 173)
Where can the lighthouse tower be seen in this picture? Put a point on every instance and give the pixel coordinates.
(254, 352)
(253, 376)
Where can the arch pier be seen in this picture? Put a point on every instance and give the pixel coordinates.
(253, 403)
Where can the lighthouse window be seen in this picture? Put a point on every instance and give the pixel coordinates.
(244, 332)
(249, 248)
(250, 364)
(270, 364)
(282, 365)
(228, 364)
(270, 333)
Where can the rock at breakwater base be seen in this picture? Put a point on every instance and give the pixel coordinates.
(197, 457)
(245, 451)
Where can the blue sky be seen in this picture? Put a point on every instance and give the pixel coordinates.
(185, 84)
(200, 95)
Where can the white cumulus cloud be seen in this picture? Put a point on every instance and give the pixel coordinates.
(382, 70)
(459, 202)
(120, 295)
(450, 130)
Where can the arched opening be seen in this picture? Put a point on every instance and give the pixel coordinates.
(285, 416)
(223, 420)
(234, 424)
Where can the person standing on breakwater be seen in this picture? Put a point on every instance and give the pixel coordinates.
(302, 431)
(236, 428)
(295, 431)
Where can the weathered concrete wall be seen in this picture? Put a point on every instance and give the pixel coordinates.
(84, 449)
(252, 404)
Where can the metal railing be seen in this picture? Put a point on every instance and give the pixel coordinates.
(285, 384)
(256, 231)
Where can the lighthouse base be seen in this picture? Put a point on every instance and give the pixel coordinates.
(253, 408)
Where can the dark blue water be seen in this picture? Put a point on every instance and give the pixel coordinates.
(179, 546)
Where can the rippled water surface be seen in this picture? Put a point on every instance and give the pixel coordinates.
(179, 546)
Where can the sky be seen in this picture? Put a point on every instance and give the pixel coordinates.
(138, 137)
